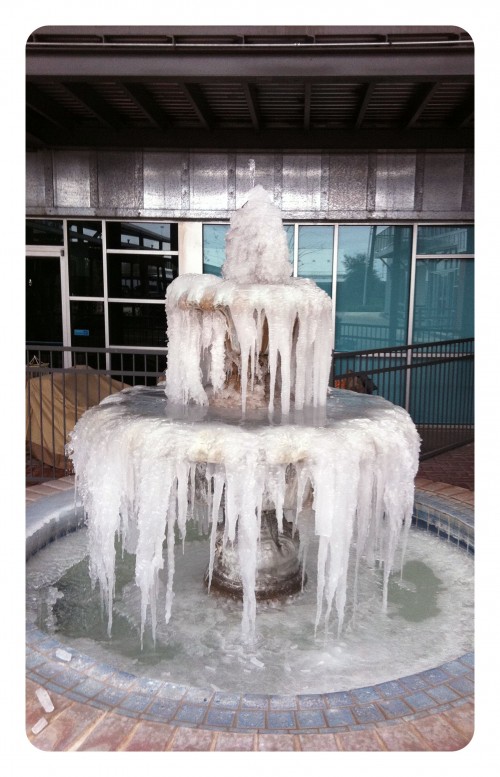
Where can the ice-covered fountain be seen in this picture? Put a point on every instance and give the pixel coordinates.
(246, 438)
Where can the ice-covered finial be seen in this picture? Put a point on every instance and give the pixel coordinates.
(256, 244)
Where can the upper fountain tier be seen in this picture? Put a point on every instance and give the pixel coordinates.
(256, 335)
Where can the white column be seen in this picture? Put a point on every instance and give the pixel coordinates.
(190, 247)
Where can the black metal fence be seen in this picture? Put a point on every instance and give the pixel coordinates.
(434, 382)
(61, 383)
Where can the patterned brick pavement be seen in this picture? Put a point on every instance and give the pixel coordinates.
(455, 467)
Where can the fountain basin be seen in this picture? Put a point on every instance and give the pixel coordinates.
(85, 680)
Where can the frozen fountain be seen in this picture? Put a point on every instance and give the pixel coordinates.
(246, 438)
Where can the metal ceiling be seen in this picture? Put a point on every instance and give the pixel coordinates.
(252, 88)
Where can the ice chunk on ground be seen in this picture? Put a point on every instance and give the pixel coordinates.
(40, 725)
(44, 699)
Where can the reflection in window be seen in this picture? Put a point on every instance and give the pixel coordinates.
(141, 324)
(316, 255)
(444, 300)
(141, 236)
(438, 239)
(85, 259)
(43, 232)
(136, 276)
(214, 246)
(372, 286)
(87, 324)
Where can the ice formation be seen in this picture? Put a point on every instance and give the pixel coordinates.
(292, 321)
(139, 469)
(231, 434)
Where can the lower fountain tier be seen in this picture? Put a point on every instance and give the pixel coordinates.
(145, 466)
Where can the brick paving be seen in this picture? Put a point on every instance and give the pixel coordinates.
(455, 467)
(75, 725)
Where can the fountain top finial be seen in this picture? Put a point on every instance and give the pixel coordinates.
(256, 244)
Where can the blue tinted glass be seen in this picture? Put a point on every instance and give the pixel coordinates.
(458, 239)
(373, 279)
(316, 255)
(444, 300)
(214, 246)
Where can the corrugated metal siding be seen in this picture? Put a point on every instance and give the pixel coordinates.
(204, 185)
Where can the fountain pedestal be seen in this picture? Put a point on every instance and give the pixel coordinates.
(278, 568)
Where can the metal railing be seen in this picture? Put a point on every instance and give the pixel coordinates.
(434, 382)
(62, 382)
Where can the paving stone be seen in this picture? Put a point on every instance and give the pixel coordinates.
(67, 728)
(439, 734)
(191, 739)
(275, 742)
(190, 713)
(235, 742)
(281, 720)
(310, 719)
(219, 717)
(251, 719)
(149, 736)
(109, 734)
(401, 737)
(359, 740)
(462, 719)
(317, 742)
(339, 717)
(367, 713)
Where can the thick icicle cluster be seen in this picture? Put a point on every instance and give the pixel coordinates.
(137, 472)
(205, 313)
(256, 244)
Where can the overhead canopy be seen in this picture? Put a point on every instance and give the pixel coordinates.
(242, 88)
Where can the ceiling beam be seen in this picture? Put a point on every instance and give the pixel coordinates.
(47, 107)
(253, 104)
(265, 140)
(363, 105)
(94, 102)
(419, 102)
(344, 63)
(43, 130)
(463, 115)
(145, 101)
(199, 104)
(307, 105)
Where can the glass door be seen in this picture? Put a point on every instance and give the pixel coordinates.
(44, 319)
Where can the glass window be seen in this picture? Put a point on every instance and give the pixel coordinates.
(87, 324)
(44, 233)
(444, 299)
(138, 323)
(214, 246)
(316, 255)
(457, 239)
(85, 258)
(141, 236)
(140, 277)
(373, 279)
